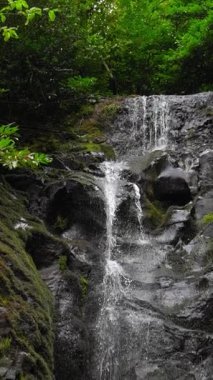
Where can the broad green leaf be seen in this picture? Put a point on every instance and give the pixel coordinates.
(6, 143)
(2, 17)
(51, 15)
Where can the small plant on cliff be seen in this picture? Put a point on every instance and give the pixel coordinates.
(12, 157)
(60, 223)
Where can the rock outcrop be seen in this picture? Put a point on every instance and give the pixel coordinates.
(53, 239)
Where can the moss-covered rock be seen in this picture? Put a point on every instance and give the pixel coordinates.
(26, 312)
(154, 214)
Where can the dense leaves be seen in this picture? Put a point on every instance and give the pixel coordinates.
(56, 56)
(16, 9)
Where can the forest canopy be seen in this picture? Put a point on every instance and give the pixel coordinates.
(56, 53)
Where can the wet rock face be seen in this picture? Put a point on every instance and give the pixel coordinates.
(26, 305)
(75, 203)
(187, 121)
(163, 318)
(205, 169)
(71, 343)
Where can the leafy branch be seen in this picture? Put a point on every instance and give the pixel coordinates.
(21, 8)
(12, 157)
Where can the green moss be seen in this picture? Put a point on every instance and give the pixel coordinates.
(108, 151)
(110, 110)
(25, 298)
(86, 110)
(5, 345)
(62, 262)
(60, 224)
(209, 111)
(208, 218)
(84, 286)
(154, 213)
(89, 129)
(91, 147)
(101, 148)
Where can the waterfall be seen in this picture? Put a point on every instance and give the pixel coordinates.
(144, 127)
(108, 323)
(112, 196)
(159, 132)
(116, 286)
(143, 329)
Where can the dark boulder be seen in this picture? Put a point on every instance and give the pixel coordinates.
(171, 187)
(76, 202)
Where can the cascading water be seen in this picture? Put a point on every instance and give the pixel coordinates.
(136, 337)
(117, 288)
(112, 193)
(145, 126)
(108, 323)
(138, 205)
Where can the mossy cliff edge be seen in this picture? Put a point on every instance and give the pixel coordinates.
(27, 316)
(26, 312)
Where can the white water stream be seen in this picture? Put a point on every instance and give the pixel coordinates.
(144, 127)
(108, 323)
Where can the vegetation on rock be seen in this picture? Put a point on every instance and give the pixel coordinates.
(25, 302)
(208, 218)
(59, 62)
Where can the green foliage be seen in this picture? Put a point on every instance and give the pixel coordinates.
(20, 9)
(81, 87)
(8, 33)
(12, 157)
(84, 85)
(101, 47)
(208, 218)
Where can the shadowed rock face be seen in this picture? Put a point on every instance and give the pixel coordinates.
(77, 203)
(171, 187)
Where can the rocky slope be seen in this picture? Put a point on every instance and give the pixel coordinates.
(53, 239)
